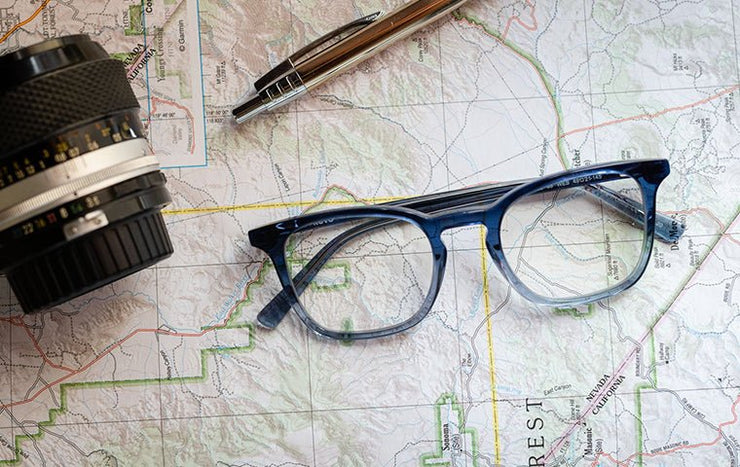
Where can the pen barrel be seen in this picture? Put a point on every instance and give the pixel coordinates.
(376, 36)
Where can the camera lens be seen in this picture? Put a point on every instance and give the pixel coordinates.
(80, 192)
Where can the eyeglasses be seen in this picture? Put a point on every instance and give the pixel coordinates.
(566, 239)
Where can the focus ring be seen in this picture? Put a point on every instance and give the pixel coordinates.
(55, 101)
(91, 262)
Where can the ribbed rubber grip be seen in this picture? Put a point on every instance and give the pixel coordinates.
(52, 102)
(92, 261)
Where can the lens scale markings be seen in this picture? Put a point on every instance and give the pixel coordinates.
(68, 146)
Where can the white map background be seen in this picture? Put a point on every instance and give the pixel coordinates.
(166, 368)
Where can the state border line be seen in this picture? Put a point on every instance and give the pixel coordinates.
(563, 437)
(229, 323)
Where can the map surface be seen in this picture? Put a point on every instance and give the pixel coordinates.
(167, 368)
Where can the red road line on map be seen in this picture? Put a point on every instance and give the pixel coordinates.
(716, 440)
(106, 352)
(709, 214)
(41, 352)
(518, 19)
(705, 211)
(627, 358)
(502, 41)
(117, 344)
(732, 239)
(644, 338)
(24, 22)
(21, 324)
(138, 60)
(98, 358)
(181, 107)
(650, 116)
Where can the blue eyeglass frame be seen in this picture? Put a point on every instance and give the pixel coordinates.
(435, 213)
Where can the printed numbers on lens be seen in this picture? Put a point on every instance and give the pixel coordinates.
(29, 167)
(61, 152)
(92, 201)
(92, 145)
(27, 228)
(76, 208)
(18, 172)
(62, 147)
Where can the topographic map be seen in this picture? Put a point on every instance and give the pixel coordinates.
(167, 368)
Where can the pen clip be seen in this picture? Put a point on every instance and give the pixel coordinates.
(308, 51)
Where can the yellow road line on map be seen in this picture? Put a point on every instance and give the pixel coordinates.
(491, 359)
(258, 206)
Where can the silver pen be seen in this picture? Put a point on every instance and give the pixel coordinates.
(333, 53)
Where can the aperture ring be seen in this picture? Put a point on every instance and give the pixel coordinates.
(52, 102)
(75, 179)
(32, 160)
(51, 229)
(92, 261)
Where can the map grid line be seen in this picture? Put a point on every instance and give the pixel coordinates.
(727, 235)
(489, 335)
(642, 340)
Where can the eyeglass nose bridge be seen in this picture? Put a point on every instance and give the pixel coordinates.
(450, 220)
(487, 216)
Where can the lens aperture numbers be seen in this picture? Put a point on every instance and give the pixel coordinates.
(68, 145)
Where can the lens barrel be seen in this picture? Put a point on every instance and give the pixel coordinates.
(80, 192)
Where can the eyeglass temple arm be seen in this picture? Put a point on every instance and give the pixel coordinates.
(666, 229)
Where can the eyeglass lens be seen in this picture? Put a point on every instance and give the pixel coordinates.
(377, 275)
(567, 242)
